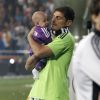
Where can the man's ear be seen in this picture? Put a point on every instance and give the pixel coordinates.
(68, 23)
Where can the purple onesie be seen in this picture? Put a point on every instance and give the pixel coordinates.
(41, 35)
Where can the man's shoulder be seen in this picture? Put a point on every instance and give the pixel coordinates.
(87, 38)
(84, 43)
(67, 37)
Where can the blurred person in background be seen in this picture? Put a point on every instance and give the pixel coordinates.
(3, 15)
(30, 7)
(19, 14)
(2, 46)
(85, 63)
(10, 6)
(9, 44)
(52, 83)
(50, 5)
(20, 32)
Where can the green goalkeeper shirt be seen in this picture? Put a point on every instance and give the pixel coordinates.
(52, 83)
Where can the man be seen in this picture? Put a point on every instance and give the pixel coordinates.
(52, 82)
(86, 62)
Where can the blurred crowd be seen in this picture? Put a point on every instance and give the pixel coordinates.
(15, 21)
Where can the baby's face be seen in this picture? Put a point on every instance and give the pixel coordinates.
(40, 18)
(43, 22)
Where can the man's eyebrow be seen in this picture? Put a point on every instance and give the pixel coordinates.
(57, 16)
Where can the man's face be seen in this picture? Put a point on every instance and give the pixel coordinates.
(96, 20)
(58, 21)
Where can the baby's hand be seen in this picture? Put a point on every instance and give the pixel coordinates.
(31, 32)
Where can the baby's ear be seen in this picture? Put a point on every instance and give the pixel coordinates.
(68, 23)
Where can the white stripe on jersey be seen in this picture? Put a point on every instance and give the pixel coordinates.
(62, 30)
(45, 31)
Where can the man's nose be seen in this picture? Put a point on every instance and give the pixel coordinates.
(53, 19)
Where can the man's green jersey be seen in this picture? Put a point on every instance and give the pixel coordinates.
(52, 83)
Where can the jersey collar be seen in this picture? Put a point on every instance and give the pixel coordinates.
(60, 31)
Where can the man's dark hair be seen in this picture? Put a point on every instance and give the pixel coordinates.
(95, 8)
(67, 11)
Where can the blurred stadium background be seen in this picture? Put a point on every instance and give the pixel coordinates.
(15, 23)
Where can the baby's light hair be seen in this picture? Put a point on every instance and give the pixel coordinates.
(37, 16)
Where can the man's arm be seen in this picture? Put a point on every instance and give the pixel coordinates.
(40, 51)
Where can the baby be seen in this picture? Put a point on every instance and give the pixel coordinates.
(41, 35)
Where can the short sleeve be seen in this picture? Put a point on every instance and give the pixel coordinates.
(57, 46)
(61, 44)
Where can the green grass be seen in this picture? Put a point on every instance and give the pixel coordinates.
(15, 88)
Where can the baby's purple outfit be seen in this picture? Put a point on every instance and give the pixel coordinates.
(41, 35)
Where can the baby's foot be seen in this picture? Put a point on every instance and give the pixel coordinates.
(35, 74)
